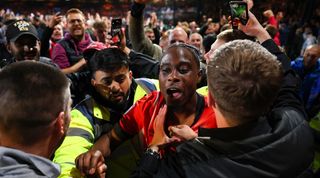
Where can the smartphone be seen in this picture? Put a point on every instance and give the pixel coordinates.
(239, 13)
(116, 25)
(56, 10)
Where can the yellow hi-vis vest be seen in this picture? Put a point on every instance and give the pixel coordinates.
(88, 121)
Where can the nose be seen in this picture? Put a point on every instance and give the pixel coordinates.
(114, 86)
(174, 76)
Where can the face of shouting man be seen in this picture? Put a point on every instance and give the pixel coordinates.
(76, 25)
(179, 75)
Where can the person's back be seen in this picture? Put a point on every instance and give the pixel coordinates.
(254, 142)
(261, 117)
(31, 128)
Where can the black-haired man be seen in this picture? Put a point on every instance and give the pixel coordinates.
(113, 92)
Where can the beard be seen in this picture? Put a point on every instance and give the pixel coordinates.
(118, 106)
(33, 55)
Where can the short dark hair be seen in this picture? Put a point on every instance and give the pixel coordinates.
(244, 79)
(32, 96)
(108, 60)
(194, 51)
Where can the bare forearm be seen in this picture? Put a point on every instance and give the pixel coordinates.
(75, 68)
(103, 145)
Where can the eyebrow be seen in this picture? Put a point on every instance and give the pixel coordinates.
(189, 63)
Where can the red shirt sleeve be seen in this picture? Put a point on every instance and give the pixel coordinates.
(134, 119)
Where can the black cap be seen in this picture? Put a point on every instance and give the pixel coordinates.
(18, 28)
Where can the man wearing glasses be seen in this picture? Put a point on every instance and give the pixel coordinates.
(113, 92)
(68, 52)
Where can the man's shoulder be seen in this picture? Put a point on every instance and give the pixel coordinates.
(287, 115)
(85, 105)
(47, 61)
(16, 163)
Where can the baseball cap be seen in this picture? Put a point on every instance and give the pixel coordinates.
(92, 48)
(19, 28)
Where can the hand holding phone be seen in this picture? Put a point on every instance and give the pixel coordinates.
(239, 13)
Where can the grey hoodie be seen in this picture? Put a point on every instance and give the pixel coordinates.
(15, 163)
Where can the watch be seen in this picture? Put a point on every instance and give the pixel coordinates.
(152, 153)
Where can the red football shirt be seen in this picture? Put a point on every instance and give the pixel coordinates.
(141, 115)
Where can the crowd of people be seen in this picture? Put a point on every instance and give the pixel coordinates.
(201, 99)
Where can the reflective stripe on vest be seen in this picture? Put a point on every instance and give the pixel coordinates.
(80, 133)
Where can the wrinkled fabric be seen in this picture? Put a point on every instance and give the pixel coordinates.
(17, 164)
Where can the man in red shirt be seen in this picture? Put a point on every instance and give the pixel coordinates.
(179, 75)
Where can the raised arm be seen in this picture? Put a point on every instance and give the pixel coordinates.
(138, 39)
(45, 39)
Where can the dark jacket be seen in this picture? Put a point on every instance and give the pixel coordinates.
(278, 144)
(68, 52)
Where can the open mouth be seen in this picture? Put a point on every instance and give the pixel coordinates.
(174, 92)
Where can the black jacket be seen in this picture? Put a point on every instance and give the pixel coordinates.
(278, 144)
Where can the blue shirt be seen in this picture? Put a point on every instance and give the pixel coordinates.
(310, 85)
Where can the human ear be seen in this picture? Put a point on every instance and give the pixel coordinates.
(93, 82)
(61, 123)
(9, 48)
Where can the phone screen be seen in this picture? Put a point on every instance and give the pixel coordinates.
(239, 12)
(116, 25)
